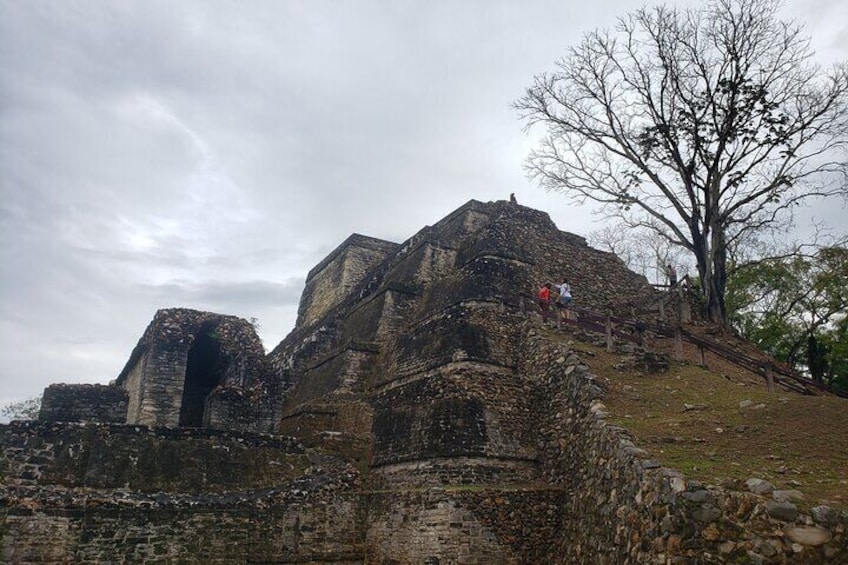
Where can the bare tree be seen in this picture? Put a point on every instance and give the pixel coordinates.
(21, 410)
(704, 125)
(643, 251)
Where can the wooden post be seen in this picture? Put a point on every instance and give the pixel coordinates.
(702, 356)
(678, 345)
(558, 316)
(521, 306)
(769, 379)
(662, 311)
(685, 316)
(641, 336)
(608, 327)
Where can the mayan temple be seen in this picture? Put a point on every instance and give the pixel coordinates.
(418, 413)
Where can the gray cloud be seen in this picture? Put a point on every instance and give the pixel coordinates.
(207, 154)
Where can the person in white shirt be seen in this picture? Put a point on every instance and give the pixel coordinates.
(564, 298)
(564, 292)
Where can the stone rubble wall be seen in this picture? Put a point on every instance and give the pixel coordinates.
(83, 403)
(452, 335)
(155, 388)
(440, 426)
(156, 373)
(451, 405)
(315, 528)
(346, 423)
(332, 279)
(339, 374)
(367, 317)
(109, 493)
(464, 527)
(235, 408)
(449, 390)
(627, 509)
(457, 414)
(458, 470)
(120, 456)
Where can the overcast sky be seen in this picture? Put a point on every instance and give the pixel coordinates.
(208, 153)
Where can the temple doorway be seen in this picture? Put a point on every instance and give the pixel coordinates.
(205, 369)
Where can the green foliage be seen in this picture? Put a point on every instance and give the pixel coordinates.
(835, 343)
(795, 309)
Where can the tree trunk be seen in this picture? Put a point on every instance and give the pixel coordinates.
(716, 309)
(711, 257)
(815, 358)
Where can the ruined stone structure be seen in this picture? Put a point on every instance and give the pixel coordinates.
(414, 415)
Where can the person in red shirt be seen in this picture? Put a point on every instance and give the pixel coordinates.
(544, 298)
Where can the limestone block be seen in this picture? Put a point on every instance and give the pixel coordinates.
(808, 535)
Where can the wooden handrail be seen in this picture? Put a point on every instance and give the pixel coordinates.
(791, 380)
(675, 285)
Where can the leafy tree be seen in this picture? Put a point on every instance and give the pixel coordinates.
(796, 308)
(705, 125)
(835, 344)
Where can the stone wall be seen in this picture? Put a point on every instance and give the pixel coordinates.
(138, 458)
(464, 527)
(452, 405)
(313, 528)
(194, 368)
(449, 406)
(84, 402)
(461, 410)
(329, 282)
(435, 425)
(109, 493)
(626, 508)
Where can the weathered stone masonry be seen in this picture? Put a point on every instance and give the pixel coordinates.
(198, 369)
(329, 282)
(100, 493)
(84, 403)
(626, 508)
(414, 415)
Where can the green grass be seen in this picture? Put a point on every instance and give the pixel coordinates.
(793, 441)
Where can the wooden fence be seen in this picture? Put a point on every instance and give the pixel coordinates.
(633, 330)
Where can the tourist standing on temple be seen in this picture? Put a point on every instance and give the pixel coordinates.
(544, 298)
(564, 298)
(672, 275)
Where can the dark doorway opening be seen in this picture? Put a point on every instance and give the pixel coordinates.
(205, 369)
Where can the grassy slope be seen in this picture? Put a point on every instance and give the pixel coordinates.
(794, 441)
